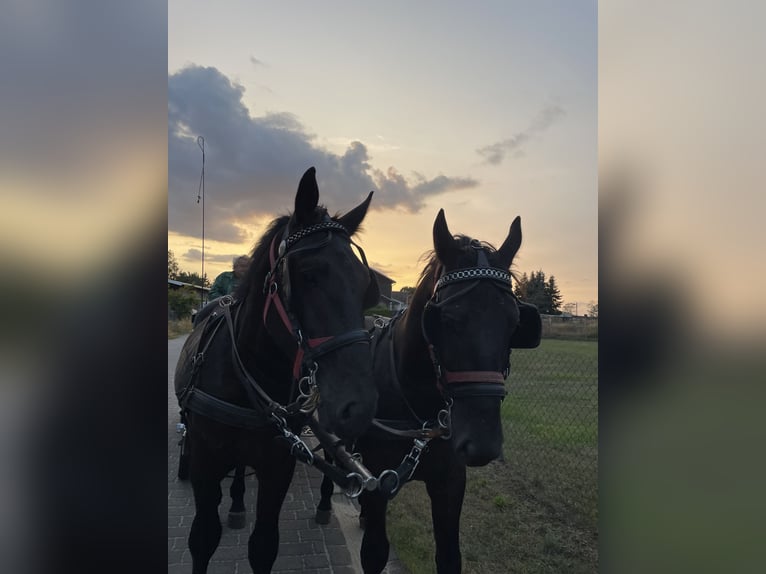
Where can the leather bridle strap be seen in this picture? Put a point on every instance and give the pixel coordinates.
(454, 377)
(324, 345)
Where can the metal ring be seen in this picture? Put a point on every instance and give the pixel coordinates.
(444, 418)
(386, 473)
(310, 387)
(356, 484)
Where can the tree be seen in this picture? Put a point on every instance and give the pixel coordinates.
(593, 309)
(192, 278)
(520, 288)
(182, 301)
(172, 265)
(553, 296)
(534, 289)
(570, 308)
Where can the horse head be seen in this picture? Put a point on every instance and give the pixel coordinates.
(316, 290)
(470, 324)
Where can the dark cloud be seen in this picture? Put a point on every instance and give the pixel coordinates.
(253, 164)
(196, 255)
(495, 153)
(256, 62)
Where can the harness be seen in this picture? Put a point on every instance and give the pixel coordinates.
(284, 328)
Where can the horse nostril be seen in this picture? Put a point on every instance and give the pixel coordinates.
(475, 454)
(353, 418)
(467, 449)
(348, 412)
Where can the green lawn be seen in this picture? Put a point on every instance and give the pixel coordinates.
(536, 510)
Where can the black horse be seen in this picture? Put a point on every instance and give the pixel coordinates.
(440, 369)
(257, 364)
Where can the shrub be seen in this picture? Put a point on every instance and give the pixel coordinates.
(379, 310)
(181, 302)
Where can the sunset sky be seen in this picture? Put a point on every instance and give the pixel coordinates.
(485, 110)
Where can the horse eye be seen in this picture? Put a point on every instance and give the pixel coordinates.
(310, 278)
(451, 322)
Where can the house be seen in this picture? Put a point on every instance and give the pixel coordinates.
(385, 284)
(399, 300)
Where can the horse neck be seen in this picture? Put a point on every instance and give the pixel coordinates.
(258, 350)
(414, 366)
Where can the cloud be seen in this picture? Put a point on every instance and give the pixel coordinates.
(256, 62)
(196, 255)
(495, 153)
(253, 164)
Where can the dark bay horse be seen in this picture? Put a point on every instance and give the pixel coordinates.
(290, 341)
(440, 369)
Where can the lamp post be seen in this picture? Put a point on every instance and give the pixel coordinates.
(201, 193)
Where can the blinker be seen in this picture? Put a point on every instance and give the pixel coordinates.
(282, 248)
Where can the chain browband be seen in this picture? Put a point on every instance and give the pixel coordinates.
(306, 231)
(473, 274)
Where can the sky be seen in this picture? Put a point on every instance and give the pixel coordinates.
(487, 111)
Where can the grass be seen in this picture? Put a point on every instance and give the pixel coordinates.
(179, 327)
(535, 511)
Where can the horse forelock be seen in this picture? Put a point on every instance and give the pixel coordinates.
(425, 285)
(260, 255)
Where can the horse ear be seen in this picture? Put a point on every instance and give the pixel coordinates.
(511, 245)
(444, 243)
(307, 197)
(353, 219)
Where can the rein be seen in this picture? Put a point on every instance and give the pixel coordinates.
(391, 480)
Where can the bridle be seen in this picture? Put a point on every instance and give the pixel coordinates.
(284, 327)
(453, 384)
(282, 324)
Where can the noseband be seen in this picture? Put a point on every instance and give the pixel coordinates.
(466, 383)
(278, 319)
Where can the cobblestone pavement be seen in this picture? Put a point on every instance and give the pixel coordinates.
(305, 547)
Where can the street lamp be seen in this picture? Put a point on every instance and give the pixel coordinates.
(201, 193)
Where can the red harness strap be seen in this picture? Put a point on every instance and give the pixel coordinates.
(313, 343)
(272, 295)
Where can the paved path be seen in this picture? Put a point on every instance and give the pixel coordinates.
(305, 547)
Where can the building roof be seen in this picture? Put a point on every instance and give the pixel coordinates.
(382, 275)
(182, 284)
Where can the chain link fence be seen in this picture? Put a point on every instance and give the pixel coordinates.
(551, 415)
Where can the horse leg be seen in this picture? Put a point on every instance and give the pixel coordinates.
(362, 521)
(237, 514)
(324, 509)
(273, 483)
(375, 546)
(205, 531)
(446, 504)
